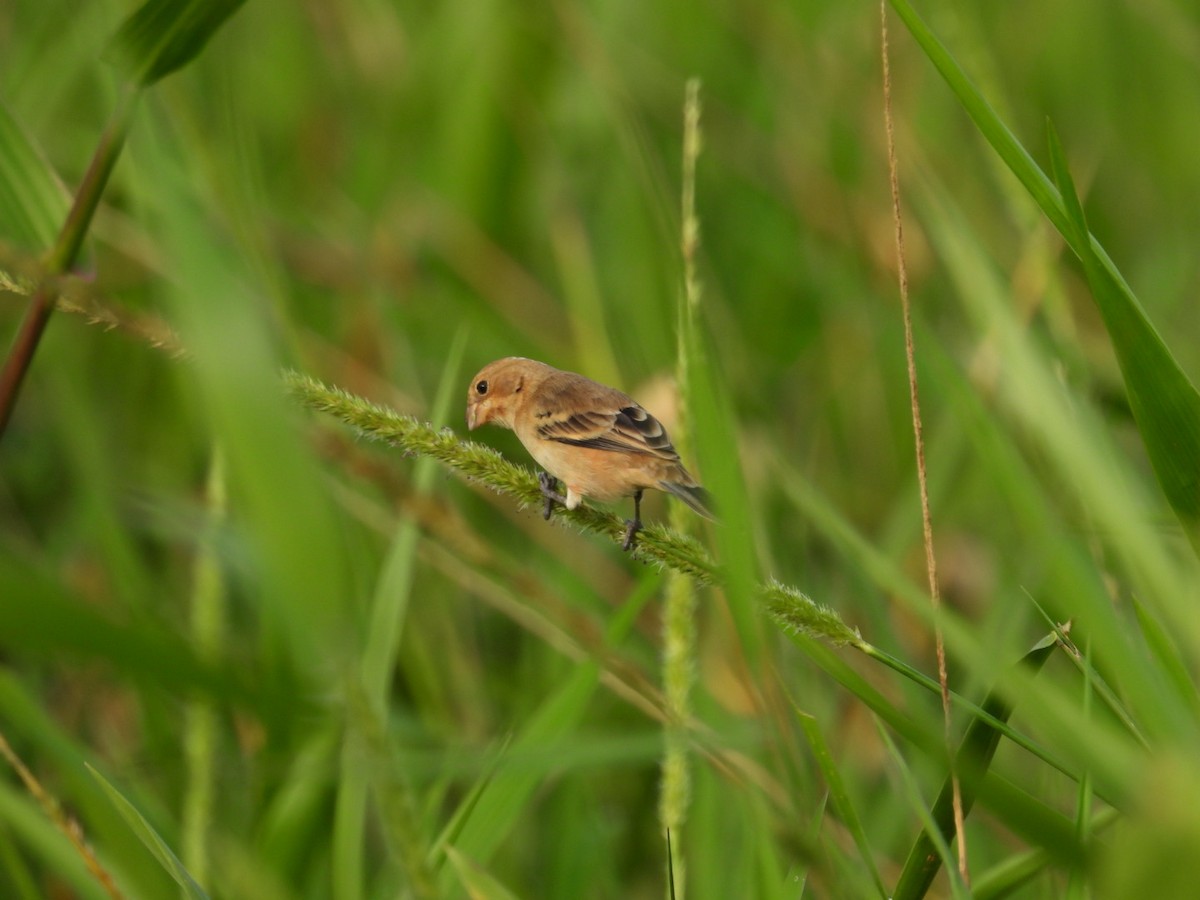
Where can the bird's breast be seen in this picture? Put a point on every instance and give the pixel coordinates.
(599, 474)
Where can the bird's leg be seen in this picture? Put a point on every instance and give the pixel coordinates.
(549, 485)
(634, 525)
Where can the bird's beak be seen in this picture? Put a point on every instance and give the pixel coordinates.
(472, 417)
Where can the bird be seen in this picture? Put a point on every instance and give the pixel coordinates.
(596, 440)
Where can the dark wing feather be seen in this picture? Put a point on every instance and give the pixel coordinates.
(575, 428)
(629, 430)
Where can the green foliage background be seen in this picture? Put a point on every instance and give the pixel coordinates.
(318, 668)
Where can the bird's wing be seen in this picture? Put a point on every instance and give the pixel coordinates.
(629, 429)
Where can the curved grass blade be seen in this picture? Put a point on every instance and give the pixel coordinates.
(1163, 646)
(479, 883)
(1011, 874)
(33, 203)
(839, 795)
(63, 253)
(1166, 405)
(940, 847)
(974, 756)
(1099, 685)
(153, 842)
(161, 36)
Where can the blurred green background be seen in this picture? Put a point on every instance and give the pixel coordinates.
(310, 669)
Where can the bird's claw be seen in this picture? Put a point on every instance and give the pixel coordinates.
(632, 527)
(549, 485)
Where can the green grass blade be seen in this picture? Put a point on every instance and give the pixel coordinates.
(480, 884)
(912, 793)
(462, 815)
(161, 36)
(839, 795)
(1011, 874)
(974, 756)
(986, 119)
(505, 798)
(1077, 888)
(1165, 403)
(33, 203)
(918, 733)
(1032, 818)
(1166, 652)
(153, 842)
(209, 616)
(1099, 685)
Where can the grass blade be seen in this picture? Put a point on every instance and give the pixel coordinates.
(940, 847)
(151, 839)
(161, 36)
(509, 791)
(839, 795)
(1165, 403)
(32, 201)
(480, 884)
(974, 756)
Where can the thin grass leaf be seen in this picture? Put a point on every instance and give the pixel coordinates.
(491, 808)
(1165, 403)
(1083, 461)
(904, 724)
(151, 839)
(670, 868)
(63, 254)
(480, 884)
(1166, 653)
(508, 793)
(1013, 873)
(1032, 818)
(1077, 887)
(978, 712)
(449, 834)
(33, 202)
(1099, 685)
(715, 430)
(164, 35)
(972, 761)
(799, 876)
(209, 614)
(769, 868)
(913, 794)
(840, 796)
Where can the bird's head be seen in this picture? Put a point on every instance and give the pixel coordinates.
(496, 390)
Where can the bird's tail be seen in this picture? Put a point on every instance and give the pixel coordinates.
(693, 495)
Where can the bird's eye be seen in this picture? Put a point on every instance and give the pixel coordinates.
(482, 387)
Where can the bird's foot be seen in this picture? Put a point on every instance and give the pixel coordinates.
(632, 527)
(549, 485)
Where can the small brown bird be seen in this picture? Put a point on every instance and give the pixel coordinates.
(598, 441)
